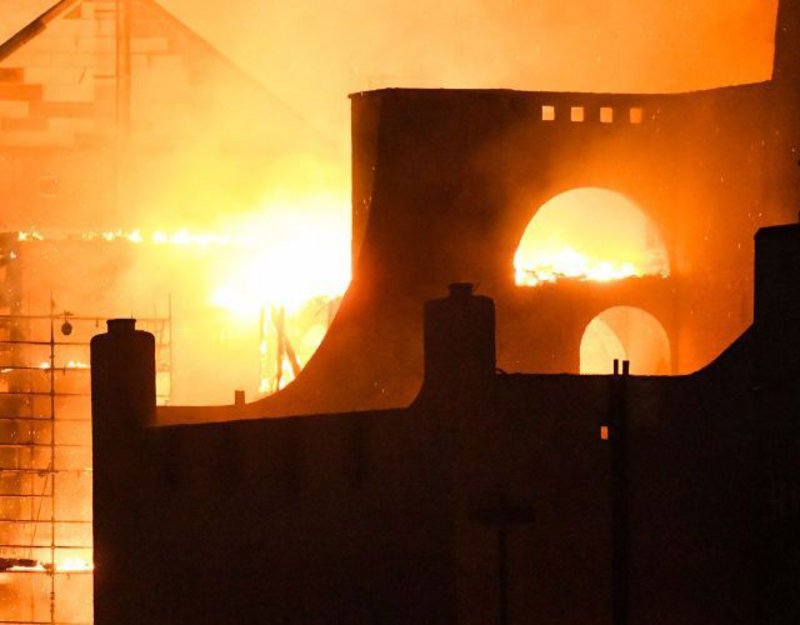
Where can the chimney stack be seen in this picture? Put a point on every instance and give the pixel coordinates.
(123, 405)
(777, 299)
(459, 340)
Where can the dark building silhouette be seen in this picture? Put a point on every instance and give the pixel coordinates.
(394, 516)
(547, 498)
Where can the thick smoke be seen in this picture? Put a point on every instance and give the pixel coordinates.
(233, 148)
(313, 53)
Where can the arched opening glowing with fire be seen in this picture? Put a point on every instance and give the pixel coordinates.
(625, 333)
(598, 235)
(589, 234)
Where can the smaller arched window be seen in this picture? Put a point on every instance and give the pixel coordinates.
(625, 333)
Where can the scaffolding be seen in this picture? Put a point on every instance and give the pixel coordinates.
(46, 463)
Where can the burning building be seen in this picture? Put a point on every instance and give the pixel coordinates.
(454, 185)
(546, 497)
(100, 102)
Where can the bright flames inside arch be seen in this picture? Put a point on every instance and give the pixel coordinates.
(589, 234)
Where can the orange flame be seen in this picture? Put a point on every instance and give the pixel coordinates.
(179, 237)
(70, 364)
(292, 253)
(570, 264)
(589, 234)
(74, 565)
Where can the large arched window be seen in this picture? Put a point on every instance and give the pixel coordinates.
(589, 234)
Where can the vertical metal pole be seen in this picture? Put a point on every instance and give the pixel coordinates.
(503, 518)
(619, 498)
(122, 101)
(52, 463)
(502, 573)
(278, 314)
(263, 355)
(169, 347)
(123, 67)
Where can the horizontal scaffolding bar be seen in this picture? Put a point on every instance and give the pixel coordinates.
(42, 394)
(44, 418)
(42, 521)
(46, 522)
(12, 368)
(47, 546)
(60, 317)
(46, 622)
(39, 496)
(43, 446)
(47, 343)
(47, 471)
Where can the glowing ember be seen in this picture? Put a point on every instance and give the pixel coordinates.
(67, 565)
(179, 237)
(30, 236)
(76, 364)
(74, 565)
(38, 567)
(70, 364)
(569, 263)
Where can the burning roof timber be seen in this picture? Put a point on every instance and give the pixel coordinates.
(19, 17)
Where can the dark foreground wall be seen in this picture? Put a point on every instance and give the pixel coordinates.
(403, 516)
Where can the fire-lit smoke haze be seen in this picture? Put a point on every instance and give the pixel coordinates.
(248, 140)
(313, 53)
(187, 163)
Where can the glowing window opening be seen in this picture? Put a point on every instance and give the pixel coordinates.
(625, 333)
(589, 234)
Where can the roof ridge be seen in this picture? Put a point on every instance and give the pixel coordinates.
(34, 25)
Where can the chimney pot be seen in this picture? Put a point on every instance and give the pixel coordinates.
(461, 289)
(121, 326)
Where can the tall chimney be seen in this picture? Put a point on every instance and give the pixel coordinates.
(123, 376)
(777, 300)
(123, 405)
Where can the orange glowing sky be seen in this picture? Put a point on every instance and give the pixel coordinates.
(312, 53)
